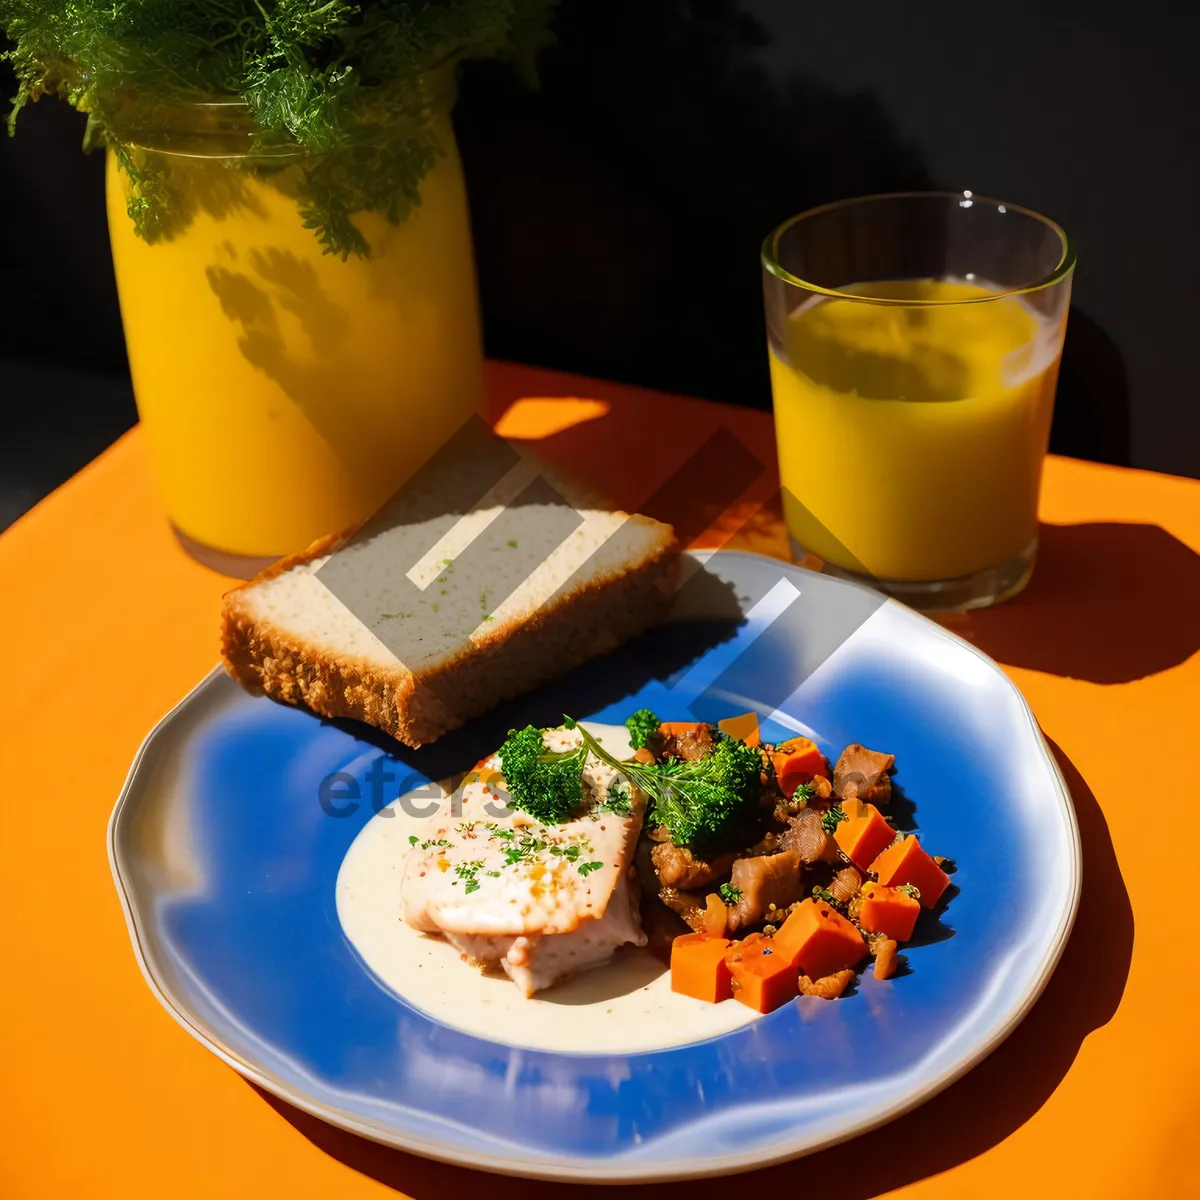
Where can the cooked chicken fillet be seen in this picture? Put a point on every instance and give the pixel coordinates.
(540, 901)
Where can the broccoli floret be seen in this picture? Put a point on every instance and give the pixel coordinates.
(705, 801)
(643, 726)
(545, 785)
(702, 802)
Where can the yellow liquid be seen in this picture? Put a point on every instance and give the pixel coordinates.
(911, 439)
(284, 393)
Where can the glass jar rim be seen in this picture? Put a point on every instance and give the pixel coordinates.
(967, 198)
(222, 125)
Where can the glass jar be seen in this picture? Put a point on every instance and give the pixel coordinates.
(285, 392)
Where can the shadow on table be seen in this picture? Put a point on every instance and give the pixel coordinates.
(979, 1111)
(1108, 602)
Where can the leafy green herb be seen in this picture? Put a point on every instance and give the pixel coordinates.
(511, 542)
(588, 867)
(440, 844)
(824, 894)
(570, 853)
(498, 831)
(394, 616)
(909, 890)
(643, 727)
(413, 839)
(832, 817)
(701, 801)
(802, 795)
(347, 84)
(729, 893)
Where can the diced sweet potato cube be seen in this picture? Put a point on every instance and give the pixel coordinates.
(698, 967)
(864, 835)
(818, 940)
(888, 911)
(762, 979)
(906, 862)
(798, 761)
(743, 728)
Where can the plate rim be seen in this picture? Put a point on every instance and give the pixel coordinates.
(618, 1171)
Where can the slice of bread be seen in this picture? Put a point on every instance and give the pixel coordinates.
(394, 626)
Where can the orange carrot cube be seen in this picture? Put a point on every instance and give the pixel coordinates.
(798, 761)
(677, 728)
(818, 940)
(888, 911)
(743, 728)
(906, 862)
(698, 967)
(864, 835)
(762, 979)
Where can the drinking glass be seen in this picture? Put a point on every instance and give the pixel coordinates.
(914, 344)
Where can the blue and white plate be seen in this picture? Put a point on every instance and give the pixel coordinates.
(228, 837)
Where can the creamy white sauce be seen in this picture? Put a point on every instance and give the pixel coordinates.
(625, 1007)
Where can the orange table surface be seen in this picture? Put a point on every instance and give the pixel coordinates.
(107, 624)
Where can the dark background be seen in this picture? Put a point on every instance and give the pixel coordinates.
(618, 210)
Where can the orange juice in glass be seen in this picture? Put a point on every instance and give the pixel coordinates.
(284, 392)
(914, 343)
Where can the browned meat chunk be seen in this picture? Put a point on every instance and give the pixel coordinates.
(845, 885)
(769, 843)
(828, 987)
(678, 867)
(806, 836)
(694, 743)
(863, 774)
(716, 916)
(688, 905)
(768, 883)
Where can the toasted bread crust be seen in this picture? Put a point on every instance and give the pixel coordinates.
(580, 623)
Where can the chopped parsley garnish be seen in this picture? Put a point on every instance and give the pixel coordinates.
(619, 801)
(527, 847)
(467, 872)
(439, 843)
(511, 542)
(413, 839)
(803, 794)
(825, 894)
(729, 893)
(571, 853)
(498, 831)
(588, 867)
(832, 817)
